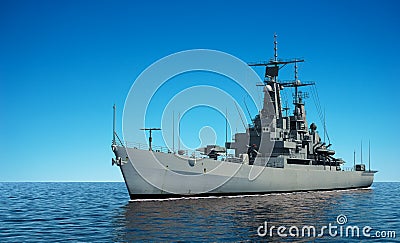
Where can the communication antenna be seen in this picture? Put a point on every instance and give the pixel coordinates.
(150, 138)
(226, 131)
(361, 153)
(369, 155)
(240, 115)
(354, 159)
(286, 108)
(179, 131)
(173, 132)
(275, 48)
(244, 101)
(254, 124)
(113, 141)
(324, 125)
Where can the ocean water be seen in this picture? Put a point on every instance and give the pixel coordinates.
(102, 212)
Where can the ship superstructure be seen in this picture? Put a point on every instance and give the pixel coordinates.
(295, 142)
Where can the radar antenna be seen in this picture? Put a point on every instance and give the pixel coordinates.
(273, 66)
(150, 137)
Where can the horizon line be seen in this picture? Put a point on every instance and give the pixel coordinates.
(97, 181)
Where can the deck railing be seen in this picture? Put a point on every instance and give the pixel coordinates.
(163, 149)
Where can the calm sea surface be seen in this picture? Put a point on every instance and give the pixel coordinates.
(102, 212)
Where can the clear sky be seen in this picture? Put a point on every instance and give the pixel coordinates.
(63, 64)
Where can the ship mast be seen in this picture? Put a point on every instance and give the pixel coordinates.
(275, 79)
(271, 83)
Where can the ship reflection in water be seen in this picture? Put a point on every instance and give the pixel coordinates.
(238, 218)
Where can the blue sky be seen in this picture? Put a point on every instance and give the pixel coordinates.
(63, 64)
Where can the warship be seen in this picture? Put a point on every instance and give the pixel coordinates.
(277, 153)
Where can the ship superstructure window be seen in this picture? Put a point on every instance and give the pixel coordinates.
(298, 161)
(292, 125)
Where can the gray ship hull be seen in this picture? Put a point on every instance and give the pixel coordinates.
(290, 178)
